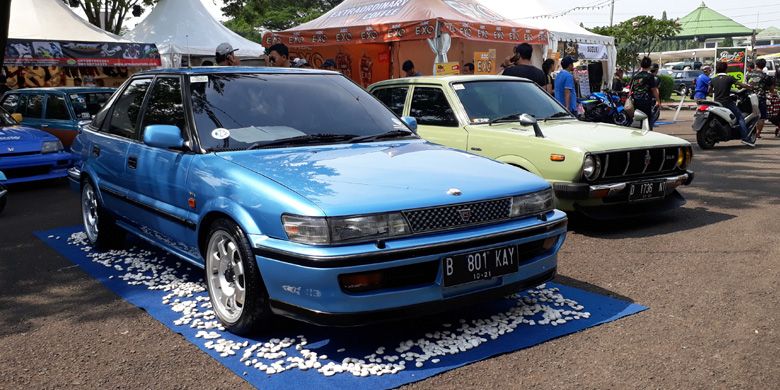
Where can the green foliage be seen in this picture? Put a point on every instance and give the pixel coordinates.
(637, 36)
(117, 11)
(249, 17)
(666, 87)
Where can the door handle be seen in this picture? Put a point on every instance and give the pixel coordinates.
(95, 150)
(132, 162)
(43, 126)
(476, 149)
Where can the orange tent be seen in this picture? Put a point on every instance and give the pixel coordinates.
(370, 39)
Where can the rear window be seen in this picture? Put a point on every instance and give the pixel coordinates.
(56, 108)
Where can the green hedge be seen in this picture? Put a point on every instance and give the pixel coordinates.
(666, 87)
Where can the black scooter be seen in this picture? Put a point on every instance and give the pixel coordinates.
(714, 123)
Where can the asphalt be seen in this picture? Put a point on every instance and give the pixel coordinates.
(709, 273)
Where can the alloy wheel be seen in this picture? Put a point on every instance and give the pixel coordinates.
(226, 279)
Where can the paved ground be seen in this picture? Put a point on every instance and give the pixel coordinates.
(709, 273)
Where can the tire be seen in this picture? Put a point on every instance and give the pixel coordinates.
(236, 289)
(100, 226)
(706, 137)
(683, 90)
(620, 119)
(3, 201)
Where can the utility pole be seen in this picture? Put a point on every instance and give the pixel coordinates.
(611, 13)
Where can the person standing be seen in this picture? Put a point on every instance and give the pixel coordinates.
(761, 84)
(644, 91)
(702, 84)
(721, 86)
(468, 68)
(617, 81)
(523, 66)
(408, 68)
(547, 68)
(279, 56)
(565, 92)
(225, 55)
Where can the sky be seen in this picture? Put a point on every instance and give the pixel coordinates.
(751, 13)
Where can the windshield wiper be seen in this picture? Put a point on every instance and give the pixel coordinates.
(375, 137)
(302, 140)
(559, 115)
(513, 117)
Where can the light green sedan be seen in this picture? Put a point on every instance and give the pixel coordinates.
(600, 170)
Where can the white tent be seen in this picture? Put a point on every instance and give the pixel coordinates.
(53, 20)
(185, 27)
(562, 29)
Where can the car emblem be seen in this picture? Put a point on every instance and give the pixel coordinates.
(10, 149)
(465, 215)
(648, 158)
(454, 192)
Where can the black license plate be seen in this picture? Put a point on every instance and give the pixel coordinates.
(647, 190)
(479, 265)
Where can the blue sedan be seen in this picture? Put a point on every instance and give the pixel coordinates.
(28, 154)
(302, 195)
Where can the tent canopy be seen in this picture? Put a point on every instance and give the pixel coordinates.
(53, 20)
(183, 27)
(704, 23)
(768, 33)
(375, 21)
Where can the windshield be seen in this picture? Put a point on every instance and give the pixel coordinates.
(6, 119)
(87, 104)
(241, 111)
(489, 100)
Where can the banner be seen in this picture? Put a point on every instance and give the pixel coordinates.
(485, 62)
(736, 59)
(568, 49)
(447, 69)
(583, 80)
(23, 52)
(365, 64)
(595, 52)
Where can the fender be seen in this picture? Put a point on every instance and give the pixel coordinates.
(520, 162)
(232, 209)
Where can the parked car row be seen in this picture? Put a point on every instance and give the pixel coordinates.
(302, 195)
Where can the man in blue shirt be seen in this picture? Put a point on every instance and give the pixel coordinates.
(565, 93)
(703, 84)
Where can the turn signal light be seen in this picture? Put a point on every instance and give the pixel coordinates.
(549, 243)
(361, 281)
(557, 157)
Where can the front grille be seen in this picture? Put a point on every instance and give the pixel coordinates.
(461, 215)
(638, 163)
(16, 173)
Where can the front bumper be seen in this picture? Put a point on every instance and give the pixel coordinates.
(20, 169)
(611, 193)
(306, 286)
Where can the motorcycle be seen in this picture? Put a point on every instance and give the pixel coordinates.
(3, 192)
(606, 107)
(714, 123)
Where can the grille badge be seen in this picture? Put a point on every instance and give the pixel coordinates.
(11, 149)
(648, 158)
(465, 215)
(454, 192)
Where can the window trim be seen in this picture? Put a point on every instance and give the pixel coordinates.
(453, 107)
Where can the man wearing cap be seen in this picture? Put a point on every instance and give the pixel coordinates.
(225, 56)
(329, 64)
(565, 93)
(703, 84)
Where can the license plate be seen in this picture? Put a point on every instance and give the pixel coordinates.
(479, 265)
(647, 190)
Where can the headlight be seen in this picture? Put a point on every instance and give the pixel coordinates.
(591, 167)
(536, 203)
(51, 146)
(321, 230)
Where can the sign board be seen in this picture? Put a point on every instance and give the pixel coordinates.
(583, 80)
(736, 59)
(447, 69)
(25, 52)
(568, 49)
(485, 62)
(593, 52)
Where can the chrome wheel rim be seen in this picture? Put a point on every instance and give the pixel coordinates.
(225, 271)
(89, 212)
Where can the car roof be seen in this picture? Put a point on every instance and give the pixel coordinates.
(64, 89)
(234, 69)
(450, 79)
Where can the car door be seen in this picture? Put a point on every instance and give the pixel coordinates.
(57, 119)
(157, 177)
(436, 119)
(107, 148)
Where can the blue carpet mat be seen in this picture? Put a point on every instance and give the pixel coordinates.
(298, 355)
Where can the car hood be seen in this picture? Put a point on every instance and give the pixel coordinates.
(598, 137)
(386, 176)
(20, 139)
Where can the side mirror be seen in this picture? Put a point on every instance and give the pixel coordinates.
(528, 120)
(163, 136)
(641, 118)
(411, 122)
(2, 177)
(17, 117)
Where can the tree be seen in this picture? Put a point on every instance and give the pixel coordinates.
(249, 17)
(115, 11)
(638, 35)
